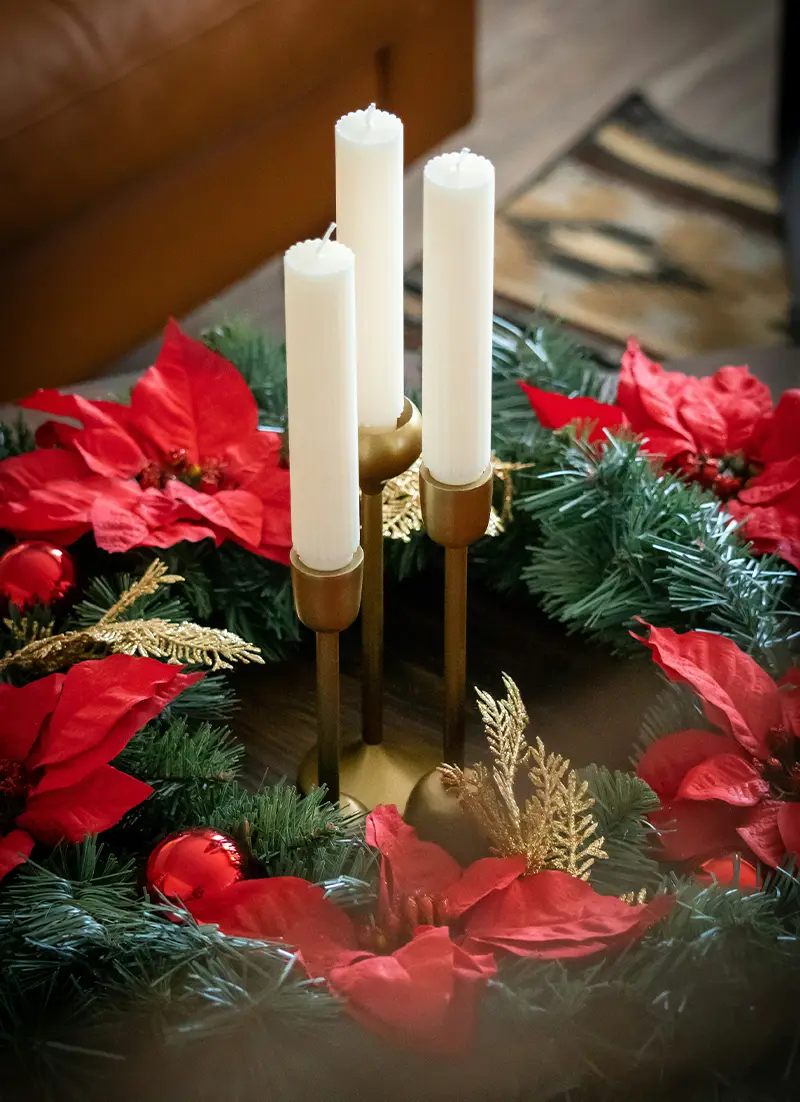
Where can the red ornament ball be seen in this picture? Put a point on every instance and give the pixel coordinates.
(730, 871)
(188, 865)
(35, 570)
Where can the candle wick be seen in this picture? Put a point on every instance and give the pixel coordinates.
(462, 156)
(327, 237)
(370, 113)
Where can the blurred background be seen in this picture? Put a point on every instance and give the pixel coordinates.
(157, 156)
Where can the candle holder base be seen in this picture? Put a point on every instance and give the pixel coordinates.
(383, 773)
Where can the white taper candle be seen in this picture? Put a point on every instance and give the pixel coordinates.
(369, 218)
(323, 428)
(457, 308)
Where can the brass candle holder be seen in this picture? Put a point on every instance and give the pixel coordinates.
(327, 602)
(455, 517)
(374, 770)
(381, 456)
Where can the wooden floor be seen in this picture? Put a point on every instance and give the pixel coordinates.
(549, 68)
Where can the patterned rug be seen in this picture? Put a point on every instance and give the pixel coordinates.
(643, 229)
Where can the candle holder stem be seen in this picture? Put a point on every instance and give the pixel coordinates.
(455, 517)
(372, 618)
(328, 712)
(455, 653)
(327, 602)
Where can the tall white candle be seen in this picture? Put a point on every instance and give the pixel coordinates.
(323, 427)
(457, 294)
(369, 218)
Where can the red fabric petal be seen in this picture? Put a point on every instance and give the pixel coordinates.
(35, 469)
(552, 915)
(777, 480)
(110, 451)
(482, 877)
(281, 908)
(690, 828)
(782, 429)
(103, 703)
(192, 400)
(789, 827)
(409, 865)
(554, 411)
(666, 761)
(90, 806)
(55, 434)
(772, 528)
(125, 516)
(648, 396)
(237, 513)
(15, 849)
(249, 459)
(22, 713)
(424, 994)
(91, 413)
(729, 777)
(760, 831)
(743, 401)
(737, 694)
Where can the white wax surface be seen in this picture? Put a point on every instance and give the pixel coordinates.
(457, 309)
(323, 428)
(369, 219)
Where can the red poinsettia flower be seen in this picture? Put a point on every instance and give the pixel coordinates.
(742, 784)
(57, 736)
(416, 970)
(184, 461)
(720, 431)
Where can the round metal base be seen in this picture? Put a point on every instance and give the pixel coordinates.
(372, 775)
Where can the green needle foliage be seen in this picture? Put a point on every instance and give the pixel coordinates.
(622, 805)
(16, 438)
(621, 539)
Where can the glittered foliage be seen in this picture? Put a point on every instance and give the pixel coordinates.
(554, 827)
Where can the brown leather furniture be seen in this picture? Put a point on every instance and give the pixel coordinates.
(154, 151)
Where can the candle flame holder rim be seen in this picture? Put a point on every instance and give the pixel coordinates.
(327, 601)
(385, 455)
(456, 516)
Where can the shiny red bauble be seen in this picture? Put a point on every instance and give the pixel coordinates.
(194, 863)
(35, 570)
(730, 871)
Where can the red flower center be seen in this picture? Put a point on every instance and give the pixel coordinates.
(207, 477)
(781, 770)
(397, 927)
(724, 475)
(16, 784)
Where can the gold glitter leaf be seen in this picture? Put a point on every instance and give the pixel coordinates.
(554, 829)
(154, 638)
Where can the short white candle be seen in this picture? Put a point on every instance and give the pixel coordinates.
(323, 428)
(457, 310)
(369, 219)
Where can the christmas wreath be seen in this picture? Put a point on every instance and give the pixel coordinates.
(591, 931)
(659, 495)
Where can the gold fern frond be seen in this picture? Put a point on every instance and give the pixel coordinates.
(199, 646)
(554, 828)
(402, 510)
(155, 638)
(156, 575)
